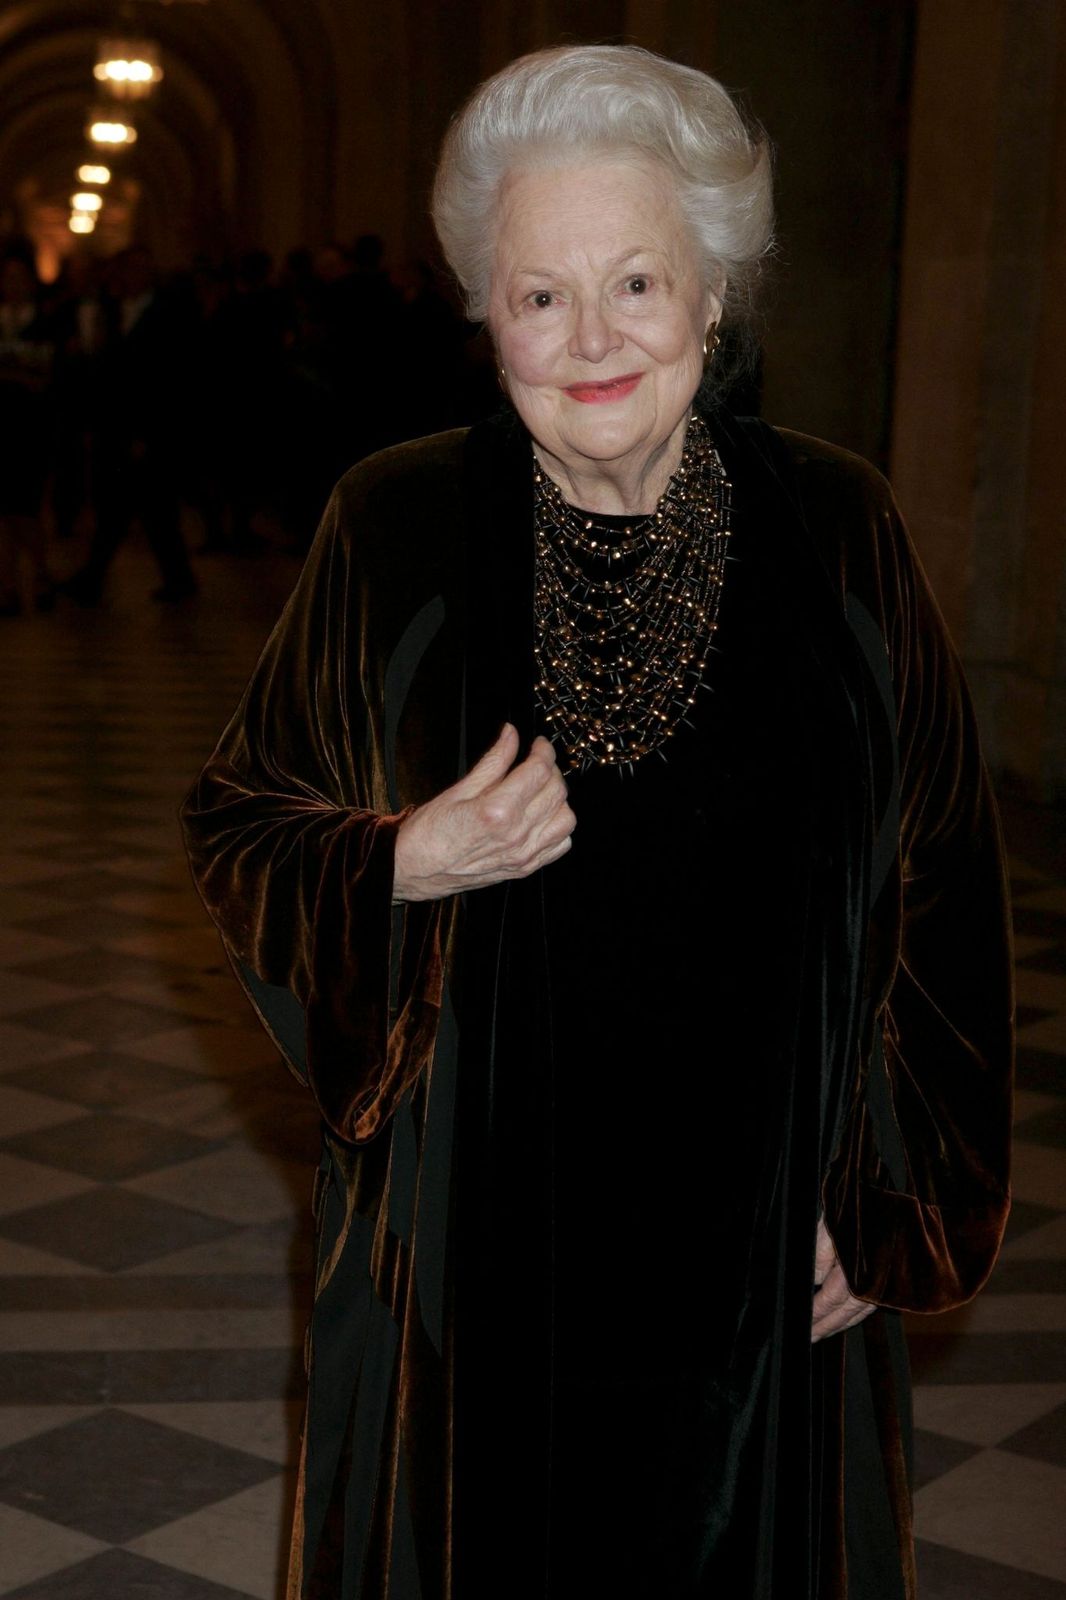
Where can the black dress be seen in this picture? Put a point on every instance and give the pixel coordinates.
(679, 910)
(652, 1173)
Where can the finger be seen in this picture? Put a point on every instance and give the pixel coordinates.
(845, 1317)
(535, 786)
(550, 853)
(493, 765)
(835, 1307)
(824, 1253)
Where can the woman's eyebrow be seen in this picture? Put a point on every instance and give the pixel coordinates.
(614, 263)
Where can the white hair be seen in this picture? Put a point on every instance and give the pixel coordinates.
(575, 103)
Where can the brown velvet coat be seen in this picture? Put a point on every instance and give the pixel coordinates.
(358, 709)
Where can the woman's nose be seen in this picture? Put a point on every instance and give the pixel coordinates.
(593, 335)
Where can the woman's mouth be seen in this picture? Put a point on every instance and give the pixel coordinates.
(598, 394)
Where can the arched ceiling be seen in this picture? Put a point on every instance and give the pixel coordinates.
(240, 129)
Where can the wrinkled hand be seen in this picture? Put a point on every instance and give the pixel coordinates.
(834, 1307)
(499, 821)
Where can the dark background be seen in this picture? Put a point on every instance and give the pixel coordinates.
(916, 309)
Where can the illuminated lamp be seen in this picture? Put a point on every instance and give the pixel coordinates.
(81, 222)
(128, 68)
(110, 129)
(87, 173)
(85, 202)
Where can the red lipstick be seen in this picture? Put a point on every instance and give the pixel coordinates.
(598, 394)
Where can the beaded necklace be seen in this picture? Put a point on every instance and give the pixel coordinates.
(624, 625)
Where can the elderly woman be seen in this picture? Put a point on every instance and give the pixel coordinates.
(603, 837)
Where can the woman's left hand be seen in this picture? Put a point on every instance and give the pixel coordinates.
(834, 1307)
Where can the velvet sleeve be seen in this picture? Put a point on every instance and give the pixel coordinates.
(918, 1195)
(291, 840)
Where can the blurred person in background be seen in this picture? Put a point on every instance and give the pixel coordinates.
(79, 326)
(27, 349)
(146, 393)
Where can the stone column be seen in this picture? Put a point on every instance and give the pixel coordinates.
(979, 403)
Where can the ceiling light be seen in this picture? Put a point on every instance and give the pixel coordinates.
(111, 130)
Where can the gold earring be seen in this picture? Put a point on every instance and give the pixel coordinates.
(712, 335)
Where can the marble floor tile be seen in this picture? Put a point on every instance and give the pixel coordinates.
(1044, 989)
(1049, 1033)
(1030, 1102)
(23, 1111)
(267, 1428)
(96, 968)
(101, 1080)
(945, 1574)
(1045, 1243)
(27, 1422)
(984, 1357)
(278, 1247)
(1027, 945)
(1039, 1174)
(57, 1475)
(198, 998)
(112, 1228)
(22, 869)
(935, 1454)
(18, 947)
(19, 992)
(23, 1047)
(32, 1548)
(99, 1020)
(241, 1541)
(1047, 899)
(1047, 1127)
(148, 1377)
(1004, 1507)
(180, 947)
(150, 1330)
(1042, 1439)
(20, 1260)
(109, 1146)
(1005, 1313)
(25, 1185)
(119, 1573)
(212, 1048)
(204, 1106)
(984, 1413)
(239, 1186)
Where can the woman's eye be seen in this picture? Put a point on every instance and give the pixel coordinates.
(542, 299)
(637, 285)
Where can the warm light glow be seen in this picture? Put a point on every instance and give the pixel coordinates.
(111, 133)
(85, 202)
(87, 173)
(127, 72)
(80, 222)
(129, 67)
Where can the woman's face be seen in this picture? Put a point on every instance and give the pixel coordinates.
(597, 310)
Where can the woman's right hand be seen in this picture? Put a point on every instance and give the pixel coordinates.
(500, 821)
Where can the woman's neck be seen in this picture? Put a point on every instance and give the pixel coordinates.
(616, 488)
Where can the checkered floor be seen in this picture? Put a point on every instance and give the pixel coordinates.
(155, 1165)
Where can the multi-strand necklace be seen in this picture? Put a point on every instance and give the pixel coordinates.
(625, 622)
